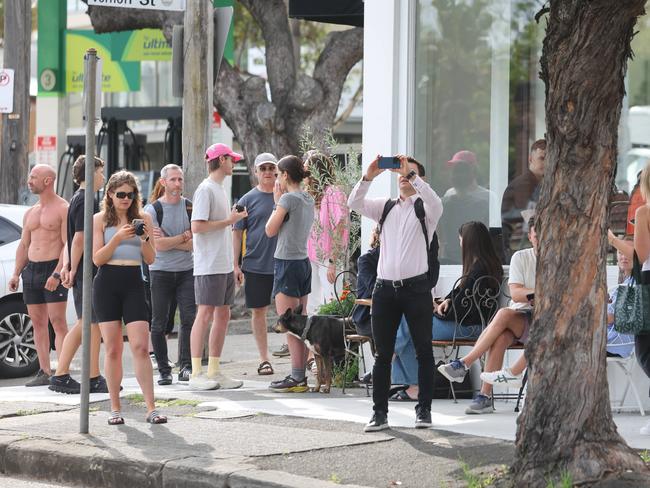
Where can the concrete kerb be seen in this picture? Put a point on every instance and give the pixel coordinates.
(93, 466)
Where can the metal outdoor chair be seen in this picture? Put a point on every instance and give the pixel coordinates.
(625, 366)
(351, 339)
(451, 348)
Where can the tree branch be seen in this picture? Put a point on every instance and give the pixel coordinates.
(110, 19)
(348, 110)
(281, 64)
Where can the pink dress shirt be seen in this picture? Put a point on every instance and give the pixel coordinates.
(403, 249)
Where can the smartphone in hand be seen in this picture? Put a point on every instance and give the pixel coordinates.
(391, 162)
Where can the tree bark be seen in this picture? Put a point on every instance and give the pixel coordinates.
(566, 424)
(297, 100)
(15, 126)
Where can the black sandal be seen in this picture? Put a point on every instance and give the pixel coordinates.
(265, 368)
(115, 418)
(155, 418)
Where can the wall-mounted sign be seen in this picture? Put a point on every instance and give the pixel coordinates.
(143, 4)
(117, 76)
(6, 91)
(140, 45)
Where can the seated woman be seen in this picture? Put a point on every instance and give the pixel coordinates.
(479, 259)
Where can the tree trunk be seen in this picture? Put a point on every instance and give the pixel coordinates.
(567, 424)
(15, 126)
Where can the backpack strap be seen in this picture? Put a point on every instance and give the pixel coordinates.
(388, 206)
(419, 213)
(157, 206)
(188, 208)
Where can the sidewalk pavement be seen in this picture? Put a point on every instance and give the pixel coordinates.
(252, 437)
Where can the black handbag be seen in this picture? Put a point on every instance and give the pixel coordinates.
(632, 307)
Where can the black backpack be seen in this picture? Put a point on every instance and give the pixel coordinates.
(432, 247)
(157, 206)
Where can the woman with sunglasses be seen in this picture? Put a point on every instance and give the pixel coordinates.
(120, 244)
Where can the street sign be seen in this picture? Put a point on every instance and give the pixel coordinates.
(46, 150)
(143, 4)
(6, 91)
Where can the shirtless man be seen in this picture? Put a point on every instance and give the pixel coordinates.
(39, 258)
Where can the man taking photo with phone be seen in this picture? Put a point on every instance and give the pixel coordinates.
(403, 284)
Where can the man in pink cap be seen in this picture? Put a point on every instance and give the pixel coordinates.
(214, 281)
(465, 201)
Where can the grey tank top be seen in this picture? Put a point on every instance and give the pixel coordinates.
(127, 249)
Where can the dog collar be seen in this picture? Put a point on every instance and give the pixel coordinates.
(303, 336)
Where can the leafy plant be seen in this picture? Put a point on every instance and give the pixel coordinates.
(475, 481)
(340, 308)
(338, 374)
(645, 456)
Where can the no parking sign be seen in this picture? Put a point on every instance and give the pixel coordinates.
(6, 91)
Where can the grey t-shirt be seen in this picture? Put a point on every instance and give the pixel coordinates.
(174, 222)
(293, 235)
(259, 247)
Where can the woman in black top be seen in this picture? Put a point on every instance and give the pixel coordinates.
(479, 259)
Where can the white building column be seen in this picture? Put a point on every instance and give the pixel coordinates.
(387, 108)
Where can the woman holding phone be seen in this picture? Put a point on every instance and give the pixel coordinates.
(291, 221)
(121, 241)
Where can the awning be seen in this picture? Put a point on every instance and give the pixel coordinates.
(346, 12)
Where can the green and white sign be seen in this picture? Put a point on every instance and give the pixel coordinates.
(117, 76)
(140, 45)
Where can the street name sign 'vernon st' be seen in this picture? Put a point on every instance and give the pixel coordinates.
(144, 4)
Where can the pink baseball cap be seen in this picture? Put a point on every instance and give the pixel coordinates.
(466, 156)
(216, 150)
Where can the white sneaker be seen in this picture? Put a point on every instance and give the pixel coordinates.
(227, 383)
(202, 382)
(645, 430)
(503, 377)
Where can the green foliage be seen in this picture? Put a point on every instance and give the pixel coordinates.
(475, 481)
(338, 376)
(645, 456)
(340, 309)
(566, 481)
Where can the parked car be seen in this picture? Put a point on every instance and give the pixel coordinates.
(17, 351)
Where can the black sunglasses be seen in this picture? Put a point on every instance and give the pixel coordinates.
(122, 195)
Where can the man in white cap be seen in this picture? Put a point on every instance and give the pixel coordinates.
(256, 270)
(214, 282)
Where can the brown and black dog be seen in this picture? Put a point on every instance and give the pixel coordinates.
(323, 334)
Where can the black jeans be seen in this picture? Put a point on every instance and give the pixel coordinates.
(165, 286)
(388, 306)
(642, 351)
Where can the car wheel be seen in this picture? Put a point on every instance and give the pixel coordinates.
(18, 356)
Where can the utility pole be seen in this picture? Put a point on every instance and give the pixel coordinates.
(15, 126)
(198, 67)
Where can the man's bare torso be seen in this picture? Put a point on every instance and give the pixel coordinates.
(44, 222)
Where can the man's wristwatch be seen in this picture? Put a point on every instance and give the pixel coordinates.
(56, 275)
(412, 174)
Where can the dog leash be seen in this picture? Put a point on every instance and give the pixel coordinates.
(303, 336)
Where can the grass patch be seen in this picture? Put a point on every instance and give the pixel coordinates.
(335, 478)
(645, 456)
(138, 399)
(566, 481)
(24, 413)
(475, 481)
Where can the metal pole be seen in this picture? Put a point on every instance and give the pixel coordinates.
(90, 80)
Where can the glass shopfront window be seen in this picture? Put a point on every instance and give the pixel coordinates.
(479, 106)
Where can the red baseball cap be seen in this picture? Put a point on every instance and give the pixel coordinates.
(465, 156)
(216, 150)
